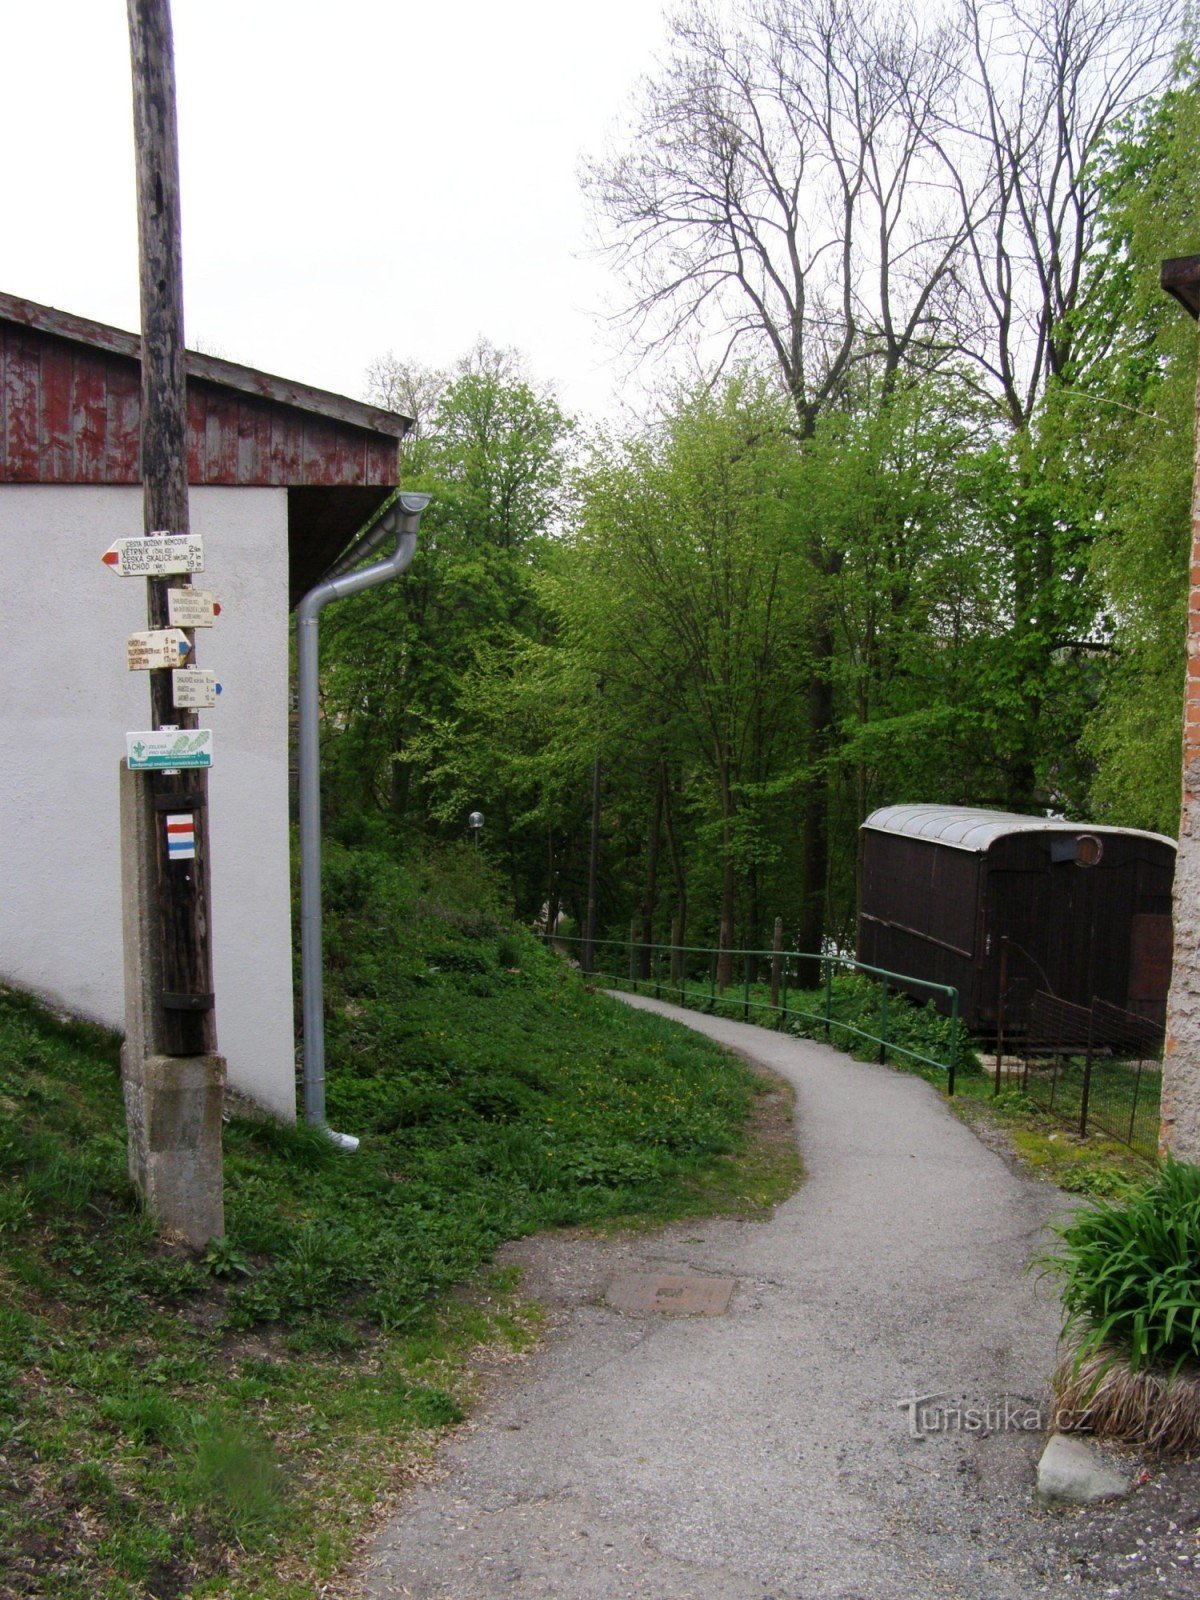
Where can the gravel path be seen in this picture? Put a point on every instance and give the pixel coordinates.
(764, 1454)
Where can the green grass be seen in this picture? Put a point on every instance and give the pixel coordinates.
(222, 1423)
(1123, 1101)
(1098, 1165)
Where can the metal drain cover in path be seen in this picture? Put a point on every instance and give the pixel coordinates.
(680, 1294)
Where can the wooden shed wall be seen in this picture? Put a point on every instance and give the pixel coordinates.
(71, 413)
(1078, 932)
(920, 911)
(933, 911)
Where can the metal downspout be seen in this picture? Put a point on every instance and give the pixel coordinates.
(402, 518)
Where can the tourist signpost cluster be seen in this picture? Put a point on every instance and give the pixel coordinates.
(175, 750)
(168, 748)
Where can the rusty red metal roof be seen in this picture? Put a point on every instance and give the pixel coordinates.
(70, 412)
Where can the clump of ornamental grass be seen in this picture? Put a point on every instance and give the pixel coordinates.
(1131, 1291)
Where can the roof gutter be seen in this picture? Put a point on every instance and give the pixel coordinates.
(402, 518)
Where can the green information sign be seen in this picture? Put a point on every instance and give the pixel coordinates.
(174, 747)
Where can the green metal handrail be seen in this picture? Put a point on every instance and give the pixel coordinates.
(678, 987)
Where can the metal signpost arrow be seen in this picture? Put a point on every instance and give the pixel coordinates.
(155, 556)
(161, 647)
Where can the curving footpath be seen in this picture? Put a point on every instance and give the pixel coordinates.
(765, 1453)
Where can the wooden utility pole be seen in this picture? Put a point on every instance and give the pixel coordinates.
(186, 1025)
(174, 1082)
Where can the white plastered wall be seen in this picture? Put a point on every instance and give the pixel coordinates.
(66, 702)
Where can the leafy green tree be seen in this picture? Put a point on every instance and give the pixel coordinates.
(687, 597)
(1132, 421)
(492, 450)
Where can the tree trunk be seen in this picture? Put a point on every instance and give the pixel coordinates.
(728, 891)
(681, 905)
(650, 897)
(810, 932)
(551, 883)
(589, 953)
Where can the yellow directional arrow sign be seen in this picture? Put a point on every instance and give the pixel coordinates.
(161, 647)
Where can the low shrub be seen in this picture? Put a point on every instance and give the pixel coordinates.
(911, 1024)
(1131, 1272)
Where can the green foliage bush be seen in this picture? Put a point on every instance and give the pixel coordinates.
(912, 1025)
(1131, 1272)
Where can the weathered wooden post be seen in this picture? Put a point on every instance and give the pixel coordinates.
(174, 1080)
(589, 927)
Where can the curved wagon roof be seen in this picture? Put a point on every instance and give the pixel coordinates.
(969, 828)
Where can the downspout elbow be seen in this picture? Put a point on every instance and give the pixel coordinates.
(403, 518)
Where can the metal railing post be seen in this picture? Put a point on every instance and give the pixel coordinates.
(1137, 1087)
(1000, 1011)
(712, 983)
(952, 1065)
(1085, 1091)
(883, 1025)
(787, 962)
(746, 988)
(657, 966)
(828, 998)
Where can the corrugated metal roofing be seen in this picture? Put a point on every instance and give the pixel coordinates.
(205, 368)
(969, 828)
(70, 413)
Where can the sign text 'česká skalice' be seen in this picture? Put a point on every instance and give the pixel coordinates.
(169, 747)
(156, 555)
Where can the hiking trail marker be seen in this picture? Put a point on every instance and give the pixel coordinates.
(155, 555)
(194, 689)
(160, 647)
(191, 608)
(181, 836)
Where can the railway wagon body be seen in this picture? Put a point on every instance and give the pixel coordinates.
(979, 898)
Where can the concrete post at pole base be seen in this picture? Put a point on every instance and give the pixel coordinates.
(173, 1116)
(173, 1104)
(1179, 1131)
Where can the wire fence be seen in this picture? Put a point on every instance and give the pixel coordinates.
(1094, 1067)
(787, 989)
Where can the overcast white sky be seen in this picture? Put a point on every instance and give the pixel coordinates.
(357, 176)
